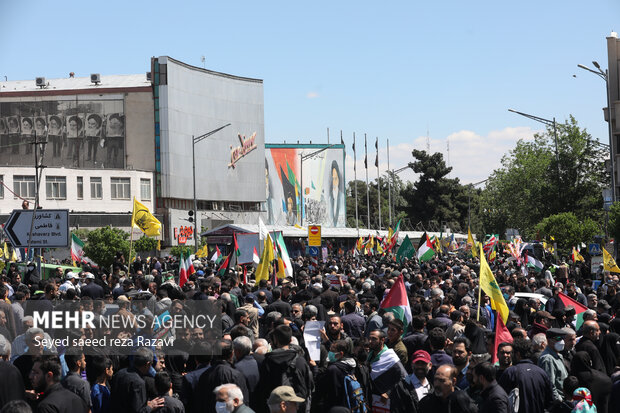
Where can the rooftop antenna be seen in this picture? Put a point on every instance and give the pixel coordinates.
(202, 59)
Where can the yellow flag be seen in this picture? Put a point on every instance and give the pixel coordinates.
(609, 264)
(143, 219)
(490, 287)
(471, 243)
(6, 252)
(262, 272)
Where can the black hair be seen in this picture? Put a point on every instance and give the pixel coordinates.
(437, 338)
(96, 117)
(523, 347)
(50, 364)
(465, 341)
(77, 120)
(162, 382)
(142, 357)
(28, 121)
(72, 356)
(96, 367)
(486, 370)
(282, 335)
(16, 406)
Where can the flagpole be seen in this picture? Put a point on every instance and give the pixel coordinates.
(133, 212)
(367, 193)
(479, 291)
(355, 184)
(389, 183)
(378, 181)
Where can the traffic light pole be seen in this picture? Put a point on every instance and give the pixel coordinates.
(195, 140)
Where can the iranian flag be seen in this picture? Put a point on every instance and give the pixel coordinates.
(77, 252)
(255, 257)
(425, 248)
(579, 309)
(217, 255)
(189, 265)
(532, 262)
(397, 302)
(183, 276)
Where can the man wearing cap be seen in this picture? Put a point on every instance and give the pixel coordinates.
(552, 362)
(91, 289)
(542, 322)
(283, 400)
(421, 365)
(70, 283)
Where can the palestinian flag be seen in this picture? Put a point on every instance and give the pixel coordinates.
(579, 309)
(425, 248)
(386, 370)
(183, 275)
(225, 265)
(217, 256)
(397, 302)
(532, 262)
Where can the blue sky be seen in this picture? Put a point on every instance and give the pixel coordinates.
(389, 69)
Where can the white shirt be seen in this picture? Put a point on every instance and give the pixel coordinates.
(422, 389)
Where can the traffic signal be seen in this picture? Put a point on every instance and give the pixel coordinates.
(191, 216)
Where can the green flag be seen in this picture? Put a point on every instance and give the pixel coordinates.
(406, 250)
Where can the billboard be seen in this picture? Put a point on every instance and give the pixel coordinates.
(320, 184)
(79, 133)
(193, 102)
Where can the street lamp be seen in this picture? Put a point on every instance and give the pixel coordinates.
(547, 122)
(469, 202)
(195, 140)
(605, 76)
(394, 172)
(302, 158)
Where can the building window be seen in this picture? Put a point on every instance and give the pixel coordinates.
(23, 186)
(145, 189)
(80, 187)
(121, 188)
(56, 187)
(96, 188)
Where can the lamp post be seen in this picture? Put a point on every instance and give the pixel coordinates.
(469, 202)
(547, 122)
(302, 158)
(605, 76)
(392, 201)
(195, 140)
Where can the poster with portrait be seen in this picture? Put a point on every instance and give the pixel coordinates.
(75, 130)
(322, 191)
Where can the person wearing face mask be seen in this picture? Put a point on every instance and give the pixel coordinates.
(229, 399)
(552, 362)
(330, 384)
(32, 276)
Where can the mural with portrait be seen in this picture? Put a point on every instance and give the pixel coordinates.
(323, 185)
(79, 133)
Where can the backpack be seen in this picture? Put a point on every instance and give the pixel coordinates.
(354, 395)
(288, 375)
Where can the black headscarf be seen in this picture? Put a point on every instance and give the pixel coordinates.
(598, 383)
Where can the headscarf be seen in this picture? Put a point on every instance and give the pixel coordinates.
(583, 401)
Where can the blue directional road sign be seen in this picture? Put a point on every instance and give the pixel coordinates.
(594, 249)
(314, 251)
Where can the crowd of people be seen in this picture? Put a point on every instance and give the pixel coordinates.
(444, 358)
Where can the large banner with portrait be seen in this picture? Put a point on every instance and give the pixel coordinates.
(78, 133)
(323, 185)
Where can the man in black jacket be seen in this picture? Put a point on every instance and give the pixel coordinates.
(129, 388)
(588, 343)
(45, 377)
(494, 398)
(447, 397)
(278, 305)
(12, 384)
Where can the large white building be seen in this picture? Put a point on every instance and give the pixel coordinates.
(112, 138)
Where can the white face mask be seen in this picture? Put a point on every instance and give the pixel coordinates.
(559, 346)
(221, 407)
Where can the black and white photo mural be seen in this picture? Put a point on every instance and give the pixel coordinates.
(78, 133)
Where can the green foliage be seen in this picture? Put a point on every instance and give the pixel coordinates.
(81, 233)
(104, 243)
(567, 230)
(532, 184)
(145, 244)
(176, 251)
(614, 221)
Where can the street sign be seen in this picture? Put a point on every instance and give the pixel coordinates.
(314, 251)
(595, 263)
(594, 249)
(314, 235)
(50, 229)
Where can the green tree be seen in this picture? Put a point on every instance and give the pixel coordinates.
(145, 244)
(614, 221)
(532, 184)
(103, 244)
(567, 229)
(177, 250)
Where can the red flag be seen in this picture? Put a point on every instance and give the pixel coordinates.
(502, 335)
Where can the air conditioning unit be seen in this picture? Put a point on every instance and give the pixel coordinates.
(95, 78)
(148, 76)
(40, 81)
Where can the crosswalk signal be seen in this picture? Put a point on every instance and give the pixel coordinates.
(191, 216)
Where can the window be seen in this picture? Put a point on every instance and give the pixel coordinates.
(145, 189)
(96, 188)
(121, 188)
(23, 186)
(80, 187)
(56, 187)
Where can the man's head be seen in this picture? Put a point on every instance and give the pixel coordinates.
(334, 325)
(504, 355)
(376, 340)
(163, 383)
(437, 339)
(283, 400)
(296, 310)
(76, 362)
(484, 375)
(445, 380)
(544, 318)
(229, 396)
(395, 330)
(591, 330)
(45, 373)
(461, 352)
(282, 336)
(421, 363)
(555, 339)
(465, 312)
(142, 360)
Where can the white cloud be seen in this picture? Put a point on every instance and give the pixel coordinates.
(312, 95)
(472, 156)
